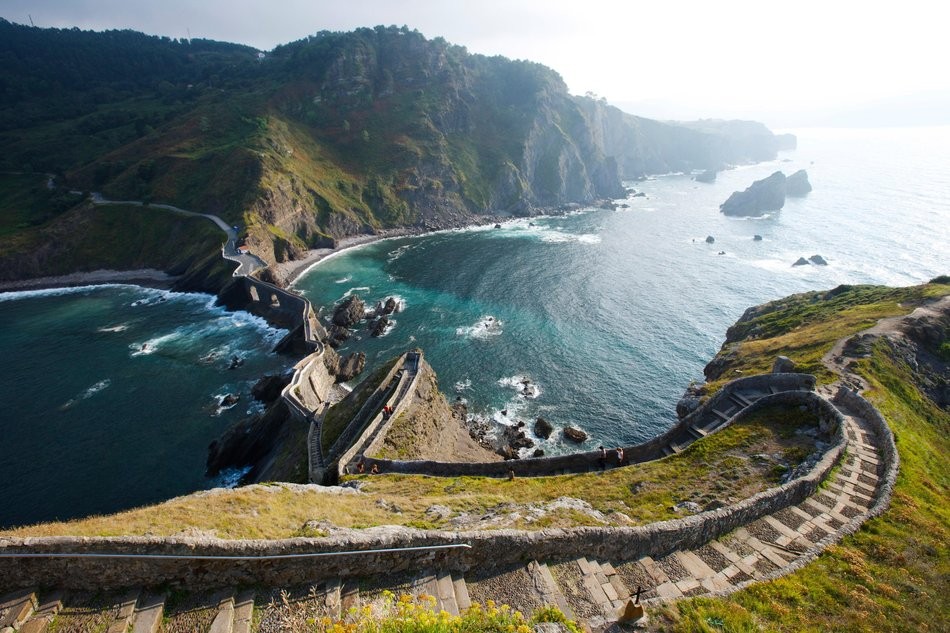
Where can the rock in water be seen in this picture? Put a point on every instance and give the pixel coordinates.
(378, 328)
(710, 239)
(351, 366)
(268, 388)
(575, 435)
(707, 176)
(757, 238)
(801, 261)
(818, 260)
(543, 428)
(763, 195)
(797, 184)
(350, 312)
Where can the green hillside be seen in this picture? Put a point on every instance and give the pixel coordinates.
(333, 135)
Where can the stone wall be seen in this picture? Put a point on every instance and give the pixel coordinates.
(882, 499)
(368, 419)
(375, 433)
(794, 384)
(384, 552)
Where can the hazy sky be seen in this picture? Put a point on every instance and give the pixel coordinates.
(777, 62)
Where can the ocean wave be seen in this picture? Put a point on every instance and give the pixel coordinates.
(122, 327)
(152, 345)
(88, 393)
(57, 292)
(525, 387)
(355, 289)
(486, 326)
(463, 385)
(396, 253)
(344, 279)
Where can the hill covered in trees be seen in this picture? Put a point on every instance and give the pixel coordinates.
(329, 136)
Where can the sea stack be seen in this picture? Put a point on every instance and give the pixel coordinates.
(797, 184)
(762, 196)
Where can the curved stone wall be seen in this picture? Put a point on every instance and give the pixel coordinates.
(384, 548)
(581, 462)
(882, 498)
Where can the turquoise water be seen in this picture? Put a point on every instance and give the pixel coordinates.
(93, 423)
(611, 314)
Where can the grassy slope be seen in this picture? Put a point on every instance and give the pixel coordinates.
(137, 237)
(713, 468)
(805, 326)
(894, 574)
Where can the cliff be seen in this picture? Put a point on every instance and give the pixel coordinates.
(334, 135)
(431, 429)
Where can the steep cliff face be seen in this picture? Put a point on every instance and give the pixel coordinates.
(333, 135)
(643, 146)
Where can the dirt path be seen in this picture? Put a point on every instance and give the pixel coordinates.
(836, 360)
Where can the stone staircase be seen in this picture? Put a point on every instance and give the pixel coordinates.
(588, 590)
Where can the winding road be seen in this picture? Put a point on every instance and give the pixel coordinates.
(247, 262)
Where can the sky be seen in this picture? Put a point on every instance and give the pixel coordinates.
(786, 64)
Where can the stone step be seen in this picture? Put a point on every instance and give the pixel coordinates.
(16, 607)
(548, 587)
(445, 598)
(462, 598)
(148, 613)
(744, 399)
(697, 432)
(243, 612)
(44, 614)
(349, 598)
(224, 619)
(333, 598)
(123, 619)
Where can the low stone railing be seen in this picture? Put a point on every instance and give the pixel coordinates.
(489, 549)
(583, 461)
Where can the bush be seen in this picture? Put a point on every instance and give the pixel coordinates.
(416, 615)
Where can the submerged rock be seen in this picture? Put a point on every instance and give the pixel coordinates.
(763, 195)
(707, 176)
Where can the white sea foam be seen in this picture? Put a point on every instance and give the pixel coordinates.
(153, 344)
(57, 292)
(88, 393)
(462, 385)
(486, 327)
(396, 253)
(355, 289)
(122, 327)
(344, 279)
(230, 477)
(525, 387)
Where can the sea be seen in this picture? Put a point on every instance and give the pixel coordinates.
(598, 319)
(111, 394)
